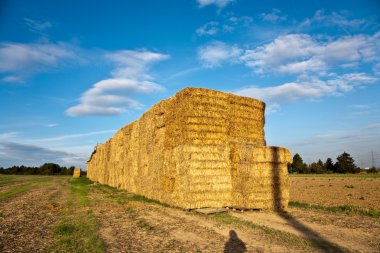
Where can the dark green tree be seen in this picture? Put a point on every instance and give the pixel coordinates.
(297, 166)
(346, 164)
(329, 165)
(50, 169)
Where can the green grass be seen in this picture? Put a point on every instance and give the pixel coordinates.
(122, 196)
(275, 235)
(77, 229)
(346, 209)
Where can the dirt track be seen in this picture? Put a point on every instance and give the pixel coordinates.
(128, 224)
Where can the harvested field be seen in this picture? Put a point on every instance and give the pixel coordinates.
(337, 190)
(63, 214)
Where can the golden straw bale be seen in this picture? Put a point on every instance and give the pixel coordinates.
(76, 173)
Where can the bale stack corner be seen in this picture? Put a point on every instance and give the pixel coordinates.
(200, 148)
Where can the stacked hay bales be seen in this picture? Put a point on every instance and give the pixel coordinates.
(200, 148)
(76, 173)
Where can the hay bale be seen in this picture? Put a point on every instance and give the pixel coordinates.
(76, 173)
(200, 148)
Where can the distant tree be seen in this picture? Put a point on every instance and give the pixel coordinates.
(297, 165)
(317, 167)
(329, 165)
(372, 170)
(50, 169)
(346, 164)
(71, 170)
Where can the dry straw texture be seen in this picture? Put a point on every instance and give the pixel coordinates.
(200, 148)
(76, 173)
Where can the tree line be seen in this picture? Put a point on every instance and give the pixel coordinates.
(344, 164)
(45, 169)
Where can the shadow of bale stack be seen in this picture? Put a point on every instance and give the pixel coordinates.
(200, 148)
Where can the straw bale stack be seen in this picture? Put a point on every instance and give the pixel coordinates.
(200, 148)
(76, 173)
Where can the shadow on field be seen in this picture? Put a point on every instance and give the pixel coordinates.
(317, 240)
(234, 244)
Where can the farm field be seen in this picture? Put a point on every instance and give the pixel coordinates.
(61, 214)
(359, 190)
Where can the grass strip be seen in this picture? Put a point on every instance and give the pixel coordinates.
(122, 196)
(346, 209)
(77, 229)
(15, 191)
(20, 189)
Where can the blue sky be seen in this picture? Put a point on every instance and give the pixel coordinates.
(74, 72)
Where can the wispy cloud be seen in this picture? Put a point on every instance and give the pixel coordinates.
(219, 3)
(374, 126)
(130, 76)
(210, 28)
(360, 106)
(37, 26)
(53, 125)
(18, 61)
(216, 53)
(274, 16)
(320, 18)
(13, 153)
(8, 135)
(74, 136)
(227, 25)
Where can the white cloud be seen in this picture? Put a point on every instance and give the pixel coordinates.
(302, 53)
(274, 16)
(217, 53)
(210, 28)
(20, 60)
(219, 3)
(130, 77)
(309, 88)
(53, 125)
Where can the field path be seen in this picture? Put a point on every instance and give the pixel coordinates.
(27, 218)
(130, 224)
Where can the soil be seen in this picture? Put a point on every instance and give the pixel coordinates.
(336, 191)
(26, 220)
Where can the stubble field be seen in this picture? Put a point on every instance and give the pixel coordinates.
(61, 214)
